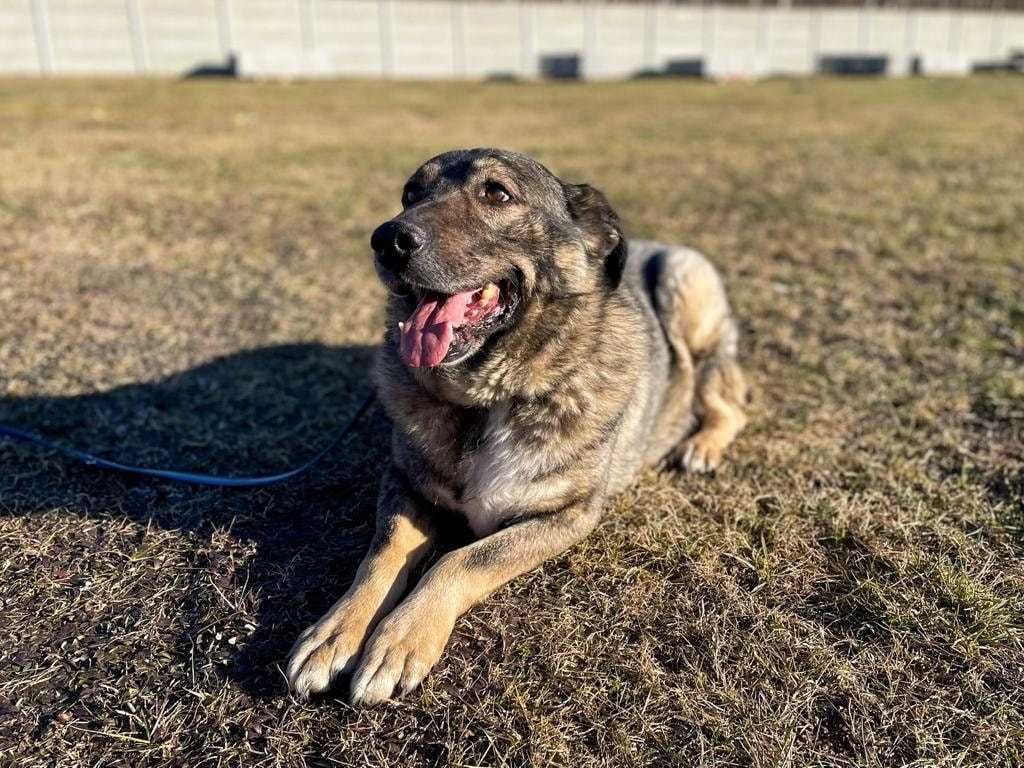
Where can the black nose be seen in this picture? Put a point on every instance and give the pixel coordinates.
(395, 242)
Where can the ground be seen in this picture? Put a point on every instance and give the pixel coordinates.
(185, 281)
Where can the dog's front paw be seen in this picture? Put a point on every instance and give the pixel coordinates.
(402, 651)
(701, 453)
(322, 652)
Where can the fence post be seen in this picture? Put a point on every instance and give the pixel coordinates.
(814, 43)
(307, 32)
(307, 24)
(526, 43)
(134, 11)
(995, 41)
(589, 39)
(458, 24)
(650, 36)
(44, 41)
(762, 47)
(955, 31)
(909, 40)
(387, 52)
(707, 33)
(224, 27)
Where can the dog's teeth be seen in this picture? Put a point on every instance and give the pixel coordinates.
(401, 325)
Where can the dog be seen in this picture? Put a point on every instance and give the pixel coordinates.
(533, 362)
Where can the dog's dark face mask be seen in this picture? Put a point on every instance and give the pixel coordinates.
(484, 233)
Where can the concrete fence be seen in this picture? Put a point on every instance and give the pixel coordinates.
(460, 38)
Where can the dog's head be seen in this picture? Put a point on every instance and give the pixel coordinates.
(483, 234)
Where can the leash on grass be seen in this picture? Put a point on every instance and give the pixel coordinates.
(192, 478)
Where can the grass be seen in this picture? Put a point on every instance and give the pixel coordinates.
(185, 281)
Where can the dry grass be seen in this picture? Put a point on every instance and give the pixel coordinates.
(185, 281)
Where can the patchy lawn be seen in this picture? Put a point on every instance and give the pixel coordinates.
(185, 281)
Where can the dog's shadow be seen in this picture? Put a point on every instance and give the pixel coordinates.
(254, 412)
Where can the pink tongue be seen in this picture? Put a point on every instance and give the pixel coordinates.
(428, 333)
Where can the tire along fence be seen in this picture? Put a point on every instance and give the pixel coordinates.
(500, 40)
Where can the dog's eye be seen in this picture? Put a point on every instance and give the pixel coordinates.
(412, 194)
(494, 193)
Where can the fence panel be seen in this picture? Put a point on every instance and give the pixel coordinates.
(935, 37)
(180, 35)
(886, 31)
(739, 46)
(977, 37)
(681, 34)
(468, 38)
(618, 42)
(792, 42)
(19, 52)
(90, 36)
(557, 31)
(347, 37)
(422, 38)
(1010, 33)
(268, 36)
(493, 40)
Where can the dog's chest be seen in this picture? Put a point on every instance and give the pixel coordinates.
(498, 474)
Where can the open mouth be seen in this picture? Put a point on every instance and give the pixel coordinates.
(448, 327)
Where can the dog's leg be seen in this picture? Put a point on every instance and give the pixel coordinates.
(721, 394)
(695, 313)
(331, 646)
(410, 640)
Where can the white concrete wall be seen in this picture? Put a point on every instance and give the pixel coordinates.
(680, 33)
(18, 49)
(885, 33)
(178, 35)
(1009, 33)
(460, 38)
(934, 39)
(557, 29)
(792, 46)
(91, 36)
(347, 37)
(740, 43)
(496, 39)
(268, 36)
(617, 37)
(422, 38)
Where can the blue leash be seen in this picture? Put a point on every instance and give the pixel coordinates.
(188, 477)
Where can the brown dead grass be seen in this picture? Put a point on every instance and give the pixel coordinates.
(184, 280)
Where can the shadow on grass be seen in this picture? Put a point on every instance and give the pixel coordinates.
(255, 412)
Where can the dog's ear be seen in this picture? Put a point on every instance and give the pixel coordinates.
(601, 227)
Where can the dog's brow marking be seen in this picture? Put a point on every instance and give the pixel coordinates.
(458, 171)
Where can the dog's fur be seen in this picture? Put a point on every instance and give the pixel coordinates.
(617, 356)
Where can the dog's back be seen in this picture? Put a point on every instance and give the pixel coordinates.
(693, 341)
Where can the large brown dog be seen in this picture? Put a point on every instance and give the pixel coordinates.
(533, 363)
